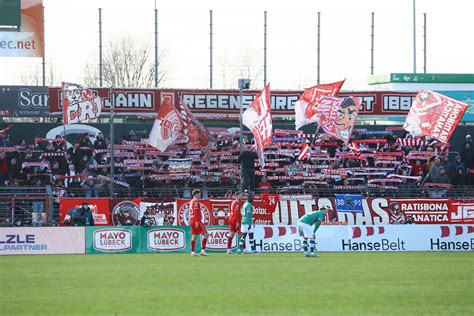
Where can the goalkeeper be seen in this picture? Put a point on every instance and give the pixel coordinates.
(305, 229)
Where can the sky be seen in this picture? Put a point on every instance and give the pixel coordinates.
(72, 39)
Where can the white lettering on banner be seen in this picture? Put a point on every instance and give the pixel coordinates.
(232, 102)
(463, 213)
(444, 125)
(424, 206)
(134, 100)
(112, 240)
(430, 217)
(397, 102)
(166, 239)
(32, 99)
(367, 103)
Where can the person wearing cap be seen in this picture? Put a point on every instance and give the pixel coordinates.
(306, 230)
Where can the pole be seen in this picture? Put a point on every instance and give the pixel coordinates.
(424, 42)
(44, 53)
(210, 49)
(414, 36)
(241, 137)
(264, 48)
(156, 47)
(100, 47)
(319, 43)
(372, 47)
(112, 146)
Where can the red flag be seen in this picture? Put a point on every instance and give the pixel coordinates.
(433, 114)
(195, 133)
(305, 152)
(337, 116)
(259, 120)
(305, 107)
(168, 126)
(6, 129)
(79, 103)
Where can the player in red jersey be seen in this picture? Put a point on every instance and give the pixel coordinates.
(235, 218)
(195, 221)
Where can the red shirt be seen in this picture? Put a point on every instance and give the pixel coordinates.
(194, 211)
(235, 215)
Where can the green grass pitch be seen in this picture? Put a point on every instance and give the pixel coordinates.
(272, 284)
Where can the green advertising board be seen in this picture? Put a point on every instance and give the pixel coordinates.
(420, 78)
(112, 239)
(160, 239)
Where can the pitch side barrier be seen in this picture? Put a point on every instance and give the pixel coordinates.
(176, 239)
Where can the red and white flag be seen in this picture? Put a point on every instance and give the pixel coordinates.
(305, 107)
(168, 126)
(259, 121)
(305, 152)
(433, 114)
(196, 135)
(337, 116)
(177, 124)
(79, 103)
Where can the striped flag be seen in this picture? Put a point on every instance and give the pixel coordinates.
(305, 152)
(258, 119)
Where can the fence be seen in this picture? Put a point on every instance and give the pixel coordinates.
(211, 49)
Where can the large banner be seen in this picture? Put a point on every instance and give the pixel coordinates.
(29, 41)
(276, 209)
(41, 240)
(224, 104)
(369, 238)
(24, 101)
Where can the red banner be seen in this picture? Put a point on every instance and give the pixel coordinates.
(425, 211)
(225, 103)
(99, 207)
(462, 212)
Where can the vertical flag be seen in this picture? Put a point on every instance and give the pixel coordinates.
(305, 107)
(258, 119)
(433, 114)
(79, 103)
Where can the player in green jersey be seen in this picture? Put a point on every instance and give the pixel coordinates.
(305, 229)
(247, 227)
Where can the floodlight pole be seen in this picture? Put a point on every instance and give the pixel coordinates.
(112, 146)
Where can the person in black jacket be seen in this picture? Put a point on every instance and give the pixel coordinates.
(247, 163)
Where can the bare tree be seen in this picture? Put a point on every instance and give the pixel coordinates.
(126, 64)
(249, 68)
(34, 77)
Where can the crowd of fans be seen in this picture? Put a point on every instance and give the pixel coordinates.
(387, 159)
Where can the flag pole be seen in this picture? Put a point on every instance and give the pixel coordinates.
(112, 147)
(64, 114)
